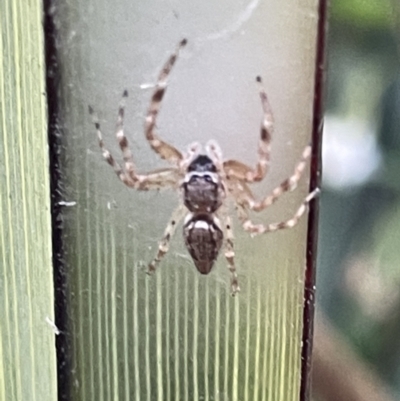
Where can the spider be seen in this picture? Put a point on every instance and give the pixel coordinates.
(205, 181)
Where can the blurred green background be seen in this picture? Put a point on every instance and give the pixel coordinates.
(359, 240)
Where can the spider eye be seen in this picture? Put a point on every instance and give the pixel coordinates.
(200, 178)
(193, 178)
(202, 163)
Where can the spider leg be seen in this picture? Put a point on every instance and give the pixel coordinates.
(122, 140)
(230, 254)
(122, 175)
(256, 229)
(163, 246)
(157, 179)
(240, 170)
(165, 150)
(287, 185)
(153, 180)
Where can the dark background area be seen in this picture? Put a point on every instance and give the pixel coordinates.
(358, 280)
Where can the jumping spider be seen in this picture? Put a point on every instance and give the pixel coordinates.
(204, 181)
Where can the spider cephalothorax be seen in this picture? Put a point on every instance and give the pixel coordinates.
(202, 186)
(205, 181)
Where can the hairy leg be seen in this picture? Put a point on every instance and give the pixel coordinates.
(230, 254)
(287, 185)
(256, 229)
(165, 150)
(163, 246)
(240, 170)
(122, 175)
(153, 180)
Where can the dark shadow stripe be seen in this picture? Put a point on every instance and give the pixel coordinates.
(315, 181)
(55, 133)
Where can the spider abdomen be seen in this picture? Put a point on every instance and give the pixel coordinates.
(203, 239)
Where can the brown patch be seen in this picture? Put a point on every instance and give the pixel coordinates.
(230, 260)
(110, 160)
(285, 185)
(158, 95)
(265, 136)
(123, 142)
(170, 64)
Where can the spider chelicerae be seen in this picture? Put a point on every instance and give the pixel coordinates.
(205, 181)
